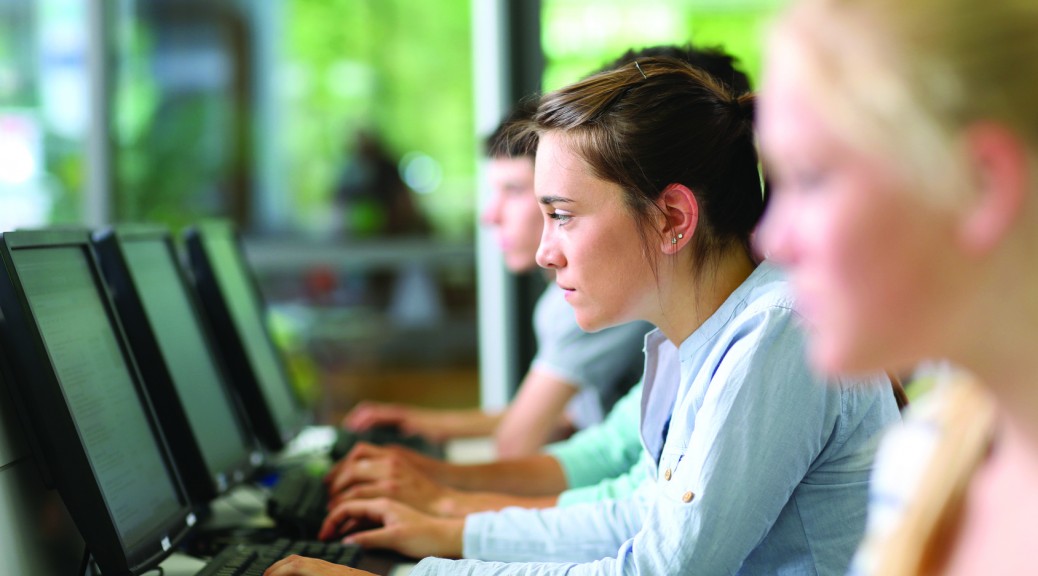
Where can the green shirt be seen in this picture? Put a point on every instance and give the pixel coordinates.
(604, 461)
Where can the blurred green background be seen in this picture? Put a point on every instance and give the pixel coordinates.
(252, 110)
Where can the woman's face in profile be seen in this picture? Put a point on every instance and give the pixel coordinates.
(861, 249)
(591, 240)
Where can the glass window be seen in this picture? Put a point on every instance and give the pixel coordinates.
(579, 36)
(180, 109)
(377, 110)
(43, 111)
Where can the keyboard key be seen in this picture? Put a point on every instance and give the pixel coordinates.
(251, 558)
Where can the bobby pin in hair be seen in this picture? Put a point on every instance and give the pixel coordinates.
(638, 66)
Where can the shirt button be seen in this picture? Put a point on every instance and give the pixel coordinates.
(666, 474)
(687, 497)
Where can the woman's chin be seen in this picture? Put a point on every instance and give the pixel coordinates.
(592, 323)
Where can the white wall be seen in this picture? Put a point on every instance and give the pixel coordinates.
(36, 534)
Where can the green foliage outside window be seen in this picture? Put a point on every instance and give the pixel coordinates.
(579, 36)
(396, 68)
(170, 153)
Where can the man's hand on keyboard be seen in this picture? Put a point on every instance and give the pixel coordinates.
(300, 566)
(435, 425)
(370, 414)
(431, 466)
(389, 473)
(403, 529)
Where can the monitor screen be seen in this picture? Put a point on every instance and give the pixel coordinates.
(60, 289)
(91, 419)
(192, 367)
(229, 294)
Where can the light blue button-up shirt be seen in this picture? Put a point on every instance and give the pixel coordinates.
(763, 468)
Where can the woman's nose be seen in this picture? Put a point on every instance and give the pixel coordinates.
(548, 254)
(773, 238)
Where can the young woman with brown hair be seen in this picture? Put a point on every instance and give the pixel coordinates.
(648, 179)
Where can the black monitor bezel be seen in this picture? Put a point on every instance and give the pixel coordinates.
(51, 430)
(241, 368)
(202, 484)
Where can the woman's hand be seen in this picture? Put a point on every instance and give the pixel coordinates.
(300, 566)
(403, 529)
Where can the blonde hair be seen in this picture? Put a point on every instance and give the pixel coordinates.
(903, 77)
(921, 541)
(904, 80)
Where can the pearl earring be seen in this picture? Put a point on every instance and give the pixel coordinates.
(675, 240)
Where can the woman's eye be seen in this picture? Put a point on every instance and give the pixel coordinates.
(798, 185)
(559, 217)
(810, 180)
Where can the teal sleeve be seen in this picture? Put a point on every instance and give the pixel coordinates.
(617, 488)
(606, 450)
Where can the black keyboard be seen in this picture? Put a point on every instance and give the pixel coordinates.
(250, 559)
(298, 503)
(382, 436)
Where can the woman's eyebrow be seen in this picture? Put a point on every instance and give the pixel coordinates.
(548, 200)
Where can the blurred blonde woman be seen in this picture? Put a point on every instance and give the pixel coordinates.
(901, 140)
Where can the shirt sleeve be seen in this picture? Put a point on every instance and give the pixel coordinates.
(605, 450)
(442, 567)
(580, 533)
(616, 488)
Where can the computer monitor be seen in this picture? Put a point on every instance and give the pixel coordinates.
(205, 427)
(90, 423)
(234, 306)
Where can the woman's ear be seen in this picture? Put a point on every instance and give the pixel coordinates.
(680, 217)
(999, 163)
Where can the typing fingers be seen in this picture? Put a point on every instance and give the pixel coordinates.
(387, 538)
(360, 451)
(349, 514)
(358, 472)
(299, 566)
(412, 533)
(363, 451)
(378, 489)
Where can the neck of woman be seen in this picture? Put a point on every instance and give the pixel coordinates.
(1006, 323)
(689, 296)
